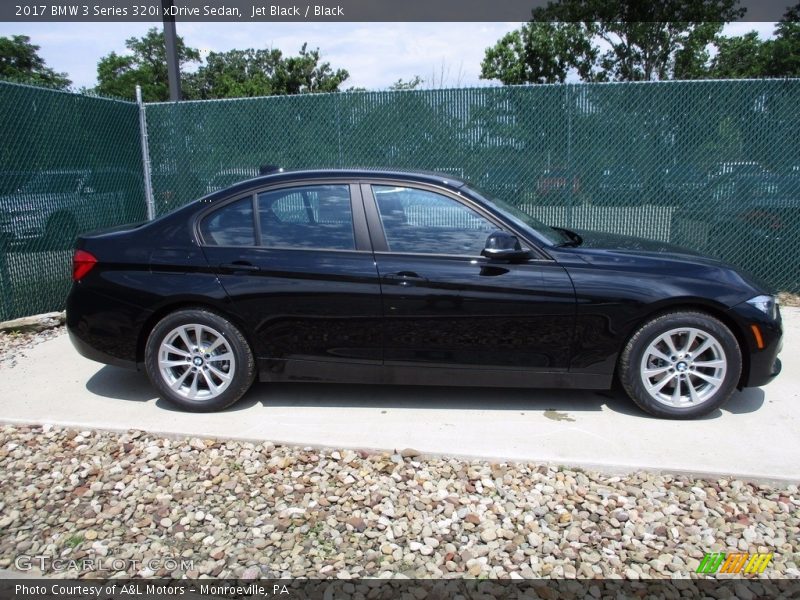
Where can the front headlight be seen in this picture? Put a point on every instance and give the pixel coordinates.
(766, 304)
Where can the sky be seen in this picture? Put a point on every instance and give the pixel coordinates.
(375, 54)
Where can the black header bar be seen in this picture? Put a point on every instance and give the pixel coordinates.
(326, 10)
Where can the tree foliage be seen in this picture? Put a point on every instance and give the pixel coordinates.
(411, 84)
(747, 56)
(20, 62)
(231, 74)
(304, 74)
(673, 39)
(739, 57)
(146, 65)
(247, 73)
(784, 50)
(541, 52)
(236, 73)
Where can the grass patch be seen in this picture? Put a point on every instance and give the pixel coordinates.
(73, 541)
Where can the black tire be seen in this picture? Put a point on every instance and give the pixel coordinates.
(632, 378)
(244, 370)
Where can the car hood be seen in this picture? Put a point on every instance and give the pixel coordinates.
(612, 241)
(652, 256)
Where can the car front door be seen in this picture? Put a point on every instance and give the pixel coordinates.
(297, 264)
(445, 305)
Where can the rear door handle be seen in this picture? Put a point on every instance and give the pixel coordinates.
(239, 266)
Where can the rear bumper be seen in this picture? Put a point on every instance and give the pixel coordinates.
(92, 353)
(102, 328)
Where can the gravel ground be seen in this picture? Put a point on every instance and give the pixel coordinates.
(131, 502)
(787, 299)
(13, 344)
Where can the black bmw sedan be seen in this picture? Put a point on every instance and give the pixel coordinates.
(410, 278)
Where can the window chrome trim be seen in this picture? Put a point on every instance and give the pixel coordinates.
(463, 256)
(290, 249)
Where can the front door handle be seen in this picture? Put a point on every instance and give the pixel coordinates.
(239, 266)
(407, 276)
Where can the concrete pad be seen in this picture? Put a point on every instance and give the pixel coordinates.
(755, 436)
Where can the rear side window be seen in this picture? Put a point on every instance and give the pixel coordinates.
(312, 216)
(231, 225)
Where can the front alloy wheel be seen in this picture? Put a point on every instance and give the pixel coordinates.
(681, 365)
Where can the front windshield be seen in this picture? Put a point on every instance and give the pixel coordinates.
(521, 218)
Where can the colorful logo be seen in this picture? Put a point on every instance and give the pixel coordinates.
(719, 562)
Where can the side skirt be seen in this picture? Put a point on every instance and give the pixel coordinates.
(341, 372)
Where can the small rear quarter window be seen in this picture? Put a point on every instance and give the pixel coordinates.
(231, 225)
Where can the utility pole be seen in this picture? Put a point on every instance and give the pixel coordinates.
(173, 65)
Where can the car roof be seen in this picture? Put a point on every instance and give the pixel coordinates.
(311, 174)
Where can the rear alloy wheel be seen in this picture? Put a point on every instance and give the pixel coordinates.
(681, 365)
(199, 360)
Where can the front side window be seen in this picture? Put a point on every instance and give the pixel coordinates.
(423, 222)
(312, 216)
(231, 225)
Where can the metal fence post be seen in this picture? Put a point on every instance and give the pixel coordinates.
(6, 288)
(148, 177)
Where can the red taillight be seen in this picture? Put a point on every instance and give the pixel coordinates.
(82, 263)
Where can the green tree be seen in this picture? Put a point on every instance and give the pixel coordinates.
(304, 74)
(235, 74)
(20, 61)
(146, 65)
(739, 57)
(747, 56)
(541, 52)
(245, 73)
(603, 41)
(784, 50)
(411, 84)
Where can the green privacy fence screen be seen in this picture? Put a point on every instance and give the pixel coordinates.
(713, 165)
(68, 163)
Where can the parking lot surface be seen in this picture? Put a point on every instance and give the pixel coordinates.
(756, 435)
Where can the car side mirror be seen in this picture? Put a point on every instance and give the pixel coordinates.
(501, 245)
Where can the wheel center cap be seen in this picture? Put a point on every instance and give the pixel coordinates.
(681, 367)
(198, 362)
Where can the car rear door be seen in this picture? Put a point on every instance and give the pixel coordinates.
(445, 305)
(296, 262)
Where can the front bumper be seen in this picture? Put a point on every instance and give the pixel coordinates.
(761, 364)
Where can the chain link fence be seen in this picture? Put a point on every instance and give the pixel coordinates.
(713, 165)
(68, 163)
